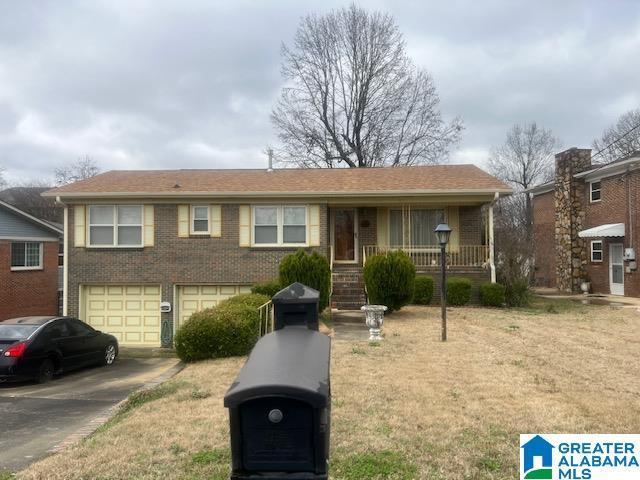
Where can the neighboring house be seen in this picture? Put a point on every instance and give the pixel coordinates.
(193, 237)
(586, 225)
(29, 256)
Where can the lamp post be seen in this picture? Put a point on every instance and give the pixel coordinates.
(443, 231)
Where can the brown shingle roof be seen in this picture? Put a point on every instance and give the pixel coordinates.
(354, 181)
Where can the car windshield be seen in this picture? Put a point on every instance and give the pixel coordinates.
(16, 332)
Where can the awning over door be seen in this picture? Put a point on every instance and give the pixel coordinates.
(608, 230)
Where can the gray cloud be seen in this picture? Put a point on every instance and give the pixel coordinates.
(160, 84)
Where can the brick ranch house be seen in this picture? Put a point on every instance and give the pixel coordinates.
(189, 238)
(586, 223)
(29, 256)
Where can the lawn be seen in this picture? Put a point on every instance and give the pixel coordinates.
(410, 408)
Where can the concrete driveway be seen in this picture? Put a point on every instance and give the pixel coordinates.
(36, 418)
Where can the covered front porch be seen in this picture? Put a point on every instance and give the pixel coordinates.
(359, 232)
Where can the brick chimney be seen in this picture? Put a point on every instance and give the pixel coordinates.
(570, 200)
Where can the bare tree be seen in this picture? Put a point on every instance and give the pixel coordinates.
(524, 160)
(619, 140)
(3, 182)
(81, 169)
(27, 196)
(355, 99)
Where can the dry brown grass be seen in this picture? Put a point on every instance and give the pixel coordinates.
(448, 410)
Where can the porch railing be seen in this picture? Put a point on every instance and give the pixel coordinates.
(265, 312)
(429, 256)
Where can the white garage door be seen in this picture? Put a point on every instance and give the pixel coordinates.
(193, 298)
(130, 312)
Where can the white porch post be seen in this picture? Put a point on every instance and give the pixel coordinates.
(65, 259)
(492, 264)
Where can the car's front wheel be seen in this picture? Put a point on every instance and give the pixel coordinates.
(110, 354)
(45, 372)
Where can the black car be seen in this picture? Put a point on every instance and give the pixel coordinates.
(39, 347)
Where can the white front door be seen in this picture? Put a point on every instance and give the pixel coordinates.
(616, 269)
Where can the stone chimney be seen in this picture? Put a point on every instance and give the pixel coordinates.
(570, 200)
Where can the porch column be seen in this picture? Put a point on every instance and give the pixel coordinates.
(492, 264)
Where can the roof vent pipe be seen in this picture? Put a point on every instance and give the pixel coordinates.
(270, 156)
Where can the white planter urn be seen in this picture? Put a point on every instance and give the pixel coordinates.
(585, 287)
(374, 318)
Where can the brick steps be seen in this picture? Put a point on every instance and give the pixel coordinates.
(348, 287)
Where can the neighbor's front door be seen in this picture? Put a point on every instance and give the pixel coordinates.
(616, 269)
(344, 228)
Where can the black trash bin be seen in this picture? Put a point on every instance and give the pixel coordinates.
(296, 305)
(280, 408)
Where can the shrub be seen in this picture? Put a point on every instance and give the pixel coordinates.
(312, 270)
(254, 300)
(458, 291)
(230, 329)
(492, 294)
(267, 288)
(517, 293)
(390, 279)
(423, 290)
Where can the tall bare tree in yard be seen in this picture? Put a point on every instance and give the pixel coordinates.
(619, 140)
(83, 168)
(524, 160)
(3, 182)
(355, 99)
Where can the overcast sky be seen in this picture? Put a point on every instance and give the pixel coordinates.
(190, 84)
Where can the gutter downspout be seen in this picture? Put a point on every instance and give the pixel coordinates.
(492, 264)
(65, 256)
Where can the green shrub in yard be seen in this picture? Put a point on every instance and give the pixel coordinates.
(458, 291)
(230, 329)
(492, 294)
(312, 270)
(390, 279)
(423, 290)
(267, 288)
(518, 293)
(247, 299)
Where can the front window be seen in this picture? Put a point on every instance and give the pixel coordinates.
(596, 251)
(200, 219)
(26, 256)
(416, 229)
(596, 193)
(115, 225)
(279, 225)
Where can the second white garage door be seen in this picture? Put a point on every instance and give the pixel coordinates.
(130, 312)
(193, 298)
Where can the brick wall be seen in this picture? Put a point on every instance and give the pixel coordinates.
(543, 239)
(29, 292)
(173, 260)
(470, 225)
(617, 193)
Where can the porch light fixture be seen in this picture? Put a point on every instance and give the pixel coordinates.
(443, 232)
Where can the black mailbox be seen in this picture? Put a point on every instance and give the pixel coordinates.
(296, 305)
(280, 408)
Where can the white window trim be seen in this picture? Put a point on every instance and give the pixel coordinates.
(192, 220)
(115, 226)
(591, 190)
(279, 227)
(601, 250)
(22, 269)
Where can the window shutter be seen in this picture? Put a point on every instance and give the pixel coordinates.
(79, 226)
(216, 220)
(245, 225)
(314, 225)
(383, 226)
(183, 220)
(148, 226)
(453, 220)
